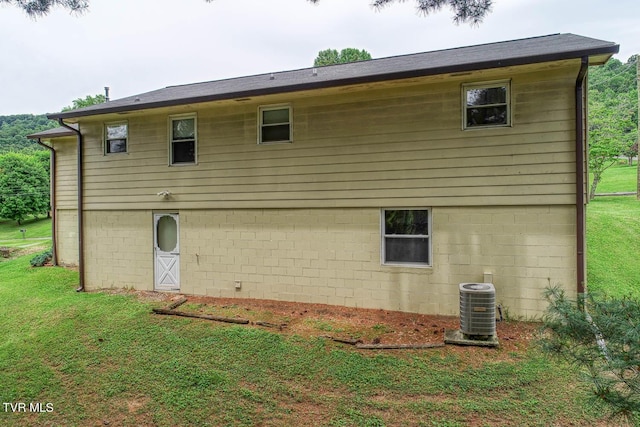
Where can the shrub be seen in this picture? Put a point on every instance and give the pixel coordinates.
(601, 336)
(41, 259)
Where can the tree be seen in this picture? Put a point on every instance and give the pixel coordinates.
(327, 57)
(471, 11)
(37, 8)
(603, 341)
(637, 58)
(44, 158)
(24, 187)
(467, 11)
(613, 116)
(630, 153)
(86, 102)
(605, 142)
(14, 130)
(331, 56)
(352, 55)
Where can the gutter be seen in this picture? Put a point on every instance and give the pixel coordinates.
(290, 81)
(52, 190)
(80, 211)
(581, 222)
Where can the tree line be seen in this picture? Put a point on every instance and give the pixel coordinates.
(24, 185)
(25, 166)
(14, 130)
(464, 11)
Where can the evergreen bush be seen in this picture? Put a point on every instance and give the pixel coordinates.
(42, 258)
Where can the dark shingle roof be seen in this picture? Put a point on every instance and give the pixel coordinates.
(53, 133)
(493, 55)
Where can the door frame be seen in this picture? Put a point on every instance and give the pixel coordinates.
(160, 256)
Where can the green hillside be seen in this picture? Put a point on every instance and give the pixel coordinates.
(14, 130)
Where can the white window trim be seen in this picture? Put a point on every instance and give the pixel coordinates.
(383, 237)
(104, 138)
(263, 108)
(486, 85)
(170, 120)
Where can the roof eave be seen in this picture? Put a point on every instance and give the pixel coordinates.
(51, 133)
(422, 72)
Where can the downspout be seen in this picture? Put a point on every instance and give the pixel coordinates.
(52, 189)
(581, 222)
(580, 205)
(80, 211)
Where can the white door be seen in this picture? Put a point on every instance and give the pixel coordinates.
(166, 250)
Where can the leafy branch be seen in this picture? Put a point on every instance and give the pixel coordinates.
(603, 340)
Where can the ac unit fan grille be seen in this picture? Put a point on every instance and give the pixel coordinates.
(477, 309)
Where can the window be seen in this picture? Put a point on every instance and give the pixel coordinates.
(115, 138)
(406, 236)
(275, 124)
(486, 105)
(182, 140)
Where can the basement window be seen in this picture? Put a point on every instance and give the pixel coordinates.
(183, 136)
(274, 124)
(486, 105)
(406, 237)
(115, 138)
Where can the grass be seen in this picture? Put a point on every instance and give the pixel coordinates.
(618, 178)
(103, 359)
(38, 233)
(613, 233)
(99, 359)
(613, 245)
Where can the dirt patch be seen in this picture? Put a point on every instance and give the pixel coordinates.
(134, 405)
(11, 253)
(369, 326)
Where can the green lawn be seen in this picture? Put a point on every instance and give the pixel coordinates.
(613, 245)
(613, 235)
(618, 178)
(100, 359)
(38, 233)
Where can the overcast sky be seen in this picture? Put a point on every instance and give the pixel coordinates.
(134, 46)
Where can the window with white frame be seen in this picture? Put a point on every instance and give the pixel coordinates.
(274, 124)
(183, 137)
(115, 137)
(406, 237)
(486, 105)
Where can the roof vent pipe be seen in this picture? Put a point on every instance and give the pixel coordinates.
(106, 94)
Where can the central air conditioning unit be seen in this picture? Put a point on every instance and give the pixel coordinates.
(477, 309)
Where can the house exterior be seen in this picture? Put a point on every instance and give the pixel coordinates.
(380, 184)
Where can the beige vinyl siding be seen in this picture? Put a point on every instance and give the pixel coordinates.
(66, 199)
(66, 173)
(387, 146)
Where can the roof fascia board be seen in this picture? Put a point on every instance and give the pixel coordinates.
(372, 78)
(51, 133)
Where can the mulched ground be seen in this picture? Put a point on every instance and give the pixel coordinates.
(369, 326)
